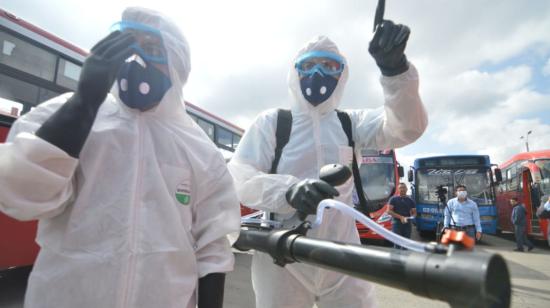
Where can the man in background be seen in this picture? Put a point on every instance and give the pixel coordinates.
(462, 214)
(519, 220)
(402, 208)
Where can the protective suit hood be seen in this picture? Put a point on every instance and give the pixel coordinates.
(179, 62)
(144, 210)
(299, 103)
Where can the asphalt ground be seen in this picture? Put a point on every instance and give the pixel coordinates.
(530, 272)
(530, 275)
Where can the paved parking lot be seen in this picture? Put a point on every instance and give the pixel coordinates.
(530, 281)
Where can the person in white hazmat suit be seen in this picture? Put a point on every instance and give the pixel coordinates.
(134, 201)
(316, 81)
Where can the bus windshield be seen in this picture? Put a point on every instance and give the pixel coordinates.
(477, 182)
(544, 166)
(378, 177)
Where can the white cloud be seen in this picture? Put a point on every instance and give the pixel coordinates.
(546, 68)
(497, 132)
(471, 92)
(242, 50)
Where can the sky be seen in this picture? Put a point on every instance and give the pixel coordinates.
(484, 65)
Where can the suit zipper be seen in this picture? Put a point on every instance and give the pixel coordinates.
(136, 204)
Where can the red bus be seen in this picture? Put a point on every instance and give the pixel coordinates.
(17, 245)
(525, 176)
(35, 66)
(380, 173)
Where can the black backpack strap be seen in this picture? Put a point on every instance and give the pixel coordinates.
(346, 125)
(282, 134)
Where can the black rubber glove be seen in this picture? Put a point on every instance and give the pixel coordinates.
(305, 195)
(69, 126)
(211, 289)
(387, 47)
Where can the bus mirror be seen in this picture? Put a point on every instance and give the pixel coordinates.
(410, 175)
(400, 171)
(498, 175)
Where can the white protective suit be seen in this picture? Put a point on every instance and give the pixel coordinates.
(317, 139)
(112, 231)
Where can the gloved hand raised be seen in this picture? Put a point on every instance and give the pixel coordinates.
(101, 67)
(69, 126)
(305, 195)
(387, 47)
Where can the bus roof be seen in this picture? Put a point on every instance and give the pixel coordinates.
(526, 156)
(6, 119)
(22, 29)
(19, 25)
(210, 116)
(452, 161)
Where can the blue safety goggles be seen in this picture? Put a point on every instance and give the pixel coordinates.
(322, 62)
(148, 45)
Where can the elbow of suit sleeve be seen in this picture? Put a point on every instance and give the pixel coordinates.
(216, 221)
(36, 178)
(405, 124)
(259, 190)
(216, 257)
(405, 116)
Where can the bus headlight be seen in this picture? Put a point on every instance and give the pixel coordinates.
(383, 218)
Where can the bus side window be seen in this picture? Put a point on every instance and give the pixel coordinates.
(194, 117)
(513, 178)
(520, 180)
(224, 137)
(502, 184)
(535, 195)
(207, 127)
(236, 140)
(27, 57)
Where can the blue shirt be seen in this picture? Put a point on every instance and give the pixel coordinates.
(519, 215)
(402, 205)
(547, 206)
(464, 213)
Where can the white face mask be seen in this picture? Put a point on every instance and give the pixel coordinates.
(462, 194)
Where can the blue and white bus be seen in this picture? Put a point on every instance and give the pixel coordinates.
(473, 171)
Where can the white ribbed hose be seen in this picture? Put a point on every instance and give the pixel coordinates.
(349, 211)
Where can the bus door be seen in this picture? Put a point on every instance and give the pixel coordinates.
(504, 212)
(531, 200)
(541, 174)
(528, 200)
(17, 245)
(510, 188)
(5, 124)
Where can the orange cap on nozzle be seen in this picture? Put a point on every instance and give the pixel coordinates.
(458, 237)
